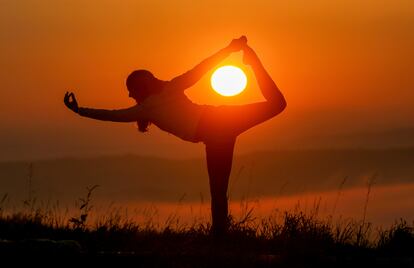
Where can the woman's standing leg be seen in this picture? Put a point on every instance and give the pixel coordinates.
(219, 162)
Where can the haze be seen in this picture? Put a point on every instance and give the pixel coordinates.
(345, 67)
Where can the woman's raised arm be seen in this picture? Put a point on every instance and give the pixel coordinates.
(192, 76)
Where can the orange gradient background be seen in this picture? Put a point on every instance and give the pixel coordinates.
(345, 67)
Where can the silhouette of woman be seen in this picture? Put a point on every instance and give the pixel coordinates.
(164, 104)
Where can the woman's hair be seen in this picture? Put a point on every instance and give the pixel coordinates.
(143, 125)
(143, 84)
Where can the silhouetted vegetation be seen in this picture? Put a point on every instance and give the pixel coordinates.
(284, 239)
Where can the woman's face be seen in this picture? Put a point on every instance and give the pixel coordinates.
(139, 92)
(132, 94)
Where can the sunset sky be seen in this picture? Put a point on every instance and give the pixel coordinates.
(346, 68)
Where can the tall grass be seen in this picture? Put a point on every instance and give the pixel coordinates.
(281, 237)
(281, 229)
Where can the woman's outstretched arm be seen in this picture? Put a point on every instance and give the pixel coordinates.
(267, 86)
(131, 114)
(191, 77)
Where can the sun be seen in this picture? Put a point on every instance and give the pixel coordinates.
(228, 80)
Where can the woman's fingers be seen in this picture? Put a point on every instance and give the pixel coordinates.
(237, 44)
(66, 98)
(241, 42)
(71, 98)
(70, 101)
(243, 39)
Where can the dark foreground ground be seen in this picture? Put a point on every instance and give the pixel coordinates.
(294, 240)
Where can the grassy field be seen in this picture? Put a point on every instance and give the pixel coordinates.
(286, 239)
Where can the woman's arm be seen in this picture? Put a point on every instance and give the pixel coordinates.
(131, 114)
(120, 115)
(191, 77)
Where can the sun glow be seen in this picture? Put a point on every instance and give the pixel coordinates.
(228, 80)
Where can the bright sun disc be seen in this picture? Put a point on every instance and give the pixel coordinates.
(228, 80)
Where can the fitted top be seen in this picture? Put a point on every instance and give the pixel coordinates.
(173, 112)
(170, 110)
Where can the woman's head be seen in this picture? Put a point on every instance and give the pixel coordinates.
(142, 84)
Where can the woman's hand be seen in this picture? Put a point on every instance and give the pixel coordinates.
(71, 104)
(237, 44)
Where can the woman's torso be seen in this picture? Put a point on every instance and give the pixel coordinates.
(173, 112)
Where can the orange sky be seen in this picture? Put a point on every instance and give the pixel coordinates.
(344, 67)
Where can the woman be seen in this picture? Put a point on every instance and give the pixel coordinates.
(164, 104)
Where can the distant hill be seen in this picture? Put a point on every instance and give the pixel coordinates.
(132, 177)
